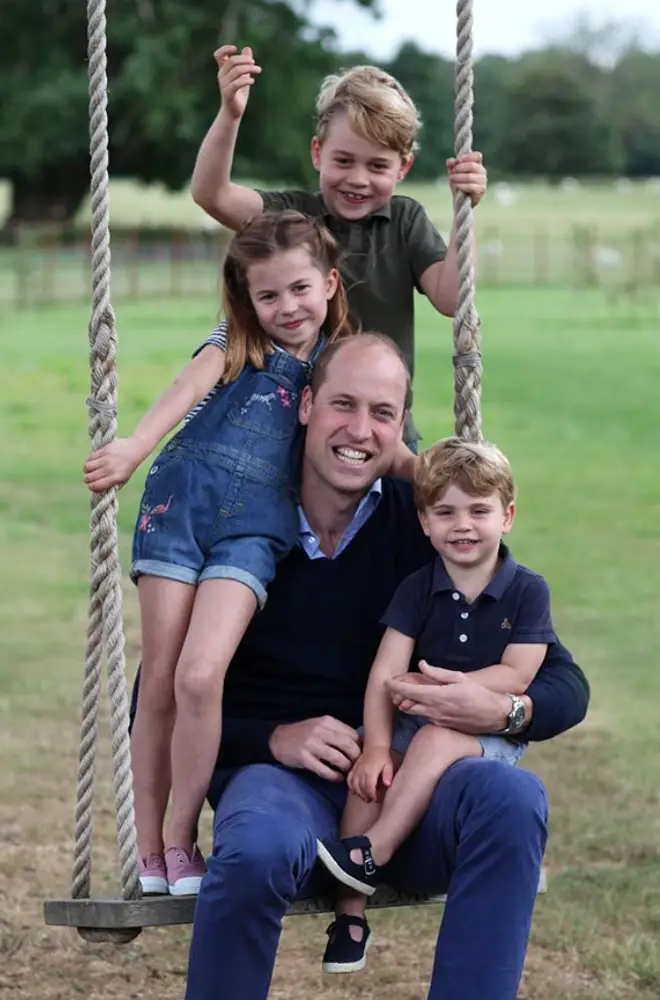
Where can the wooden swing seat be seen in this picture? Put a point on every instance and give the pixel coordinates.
(120, 921)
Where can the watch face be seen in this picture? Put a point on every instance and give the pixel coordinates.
(517, 716)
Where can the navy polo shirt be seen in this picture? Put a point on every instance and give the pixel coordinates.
(450, 633)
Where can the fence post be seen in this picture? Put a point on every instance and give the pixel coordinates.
(540, 256)
(176, 264)
(133, 264)
(22, 267)
(50, 248)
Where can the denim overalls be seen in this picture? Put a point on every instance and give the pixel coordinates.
(219, 500)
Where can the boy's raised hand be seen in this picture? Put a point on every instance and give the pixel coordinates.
(468, 174)
(236, 73)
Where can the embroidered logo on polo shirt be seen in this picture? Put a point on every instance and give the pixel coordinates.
(506, 623)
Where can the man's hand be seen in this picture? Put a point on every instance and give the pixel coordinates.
(371, 773)
(449, 698)
(468, 174)
(112, 465)
(405, 704)
(236, 72)
(324, 746)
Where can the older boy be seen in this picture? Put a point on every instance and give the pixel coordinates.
(366, 136)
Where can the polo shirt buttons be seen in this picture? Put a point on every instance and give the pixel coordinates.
(456, 596)
(463, 637)
(464, 614)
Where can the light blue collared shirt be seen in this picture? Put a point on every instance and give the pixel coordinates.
(309, 540)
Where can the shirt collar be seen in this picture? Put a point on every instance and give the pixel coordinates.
(497, 586)
(384, 212)
(308, 538)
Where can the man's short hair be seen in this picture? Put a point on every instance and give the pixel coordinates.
(320, 372)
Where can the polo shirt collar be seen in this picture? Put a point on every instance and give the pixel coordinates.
(497, 586)
(384, 212)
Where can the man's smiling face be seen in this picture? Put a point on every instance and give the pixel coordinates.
(354, 419)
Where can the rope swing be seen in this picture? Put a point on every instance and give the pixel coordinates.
(467, 339)
(121, 920)
(105, 633)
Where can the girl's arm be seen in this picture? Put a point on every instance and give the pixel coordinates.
(115, 463)
(393, 658)
(519, 666)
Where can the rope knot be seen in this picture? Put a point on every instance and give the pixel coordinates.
(98, 406)
(471, 359)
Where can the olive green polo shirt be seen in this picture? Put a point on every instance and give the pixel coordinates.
(385, 256)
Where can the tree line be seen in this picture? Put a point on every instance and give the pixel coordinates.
(554, 112)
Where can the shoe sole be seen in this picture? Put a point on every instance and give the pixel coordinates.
(186, 886)
(332, 967)
(327, 859)
(154, 885)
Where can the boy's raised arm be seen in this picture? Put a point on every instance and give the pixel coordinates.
(212, 187)
(440, 281)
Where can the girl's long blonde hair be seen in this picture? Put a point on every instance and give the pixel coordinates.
(258, 240)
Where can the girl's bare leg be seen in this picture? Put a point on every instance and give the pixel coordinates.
(165, 607)
(221, 613)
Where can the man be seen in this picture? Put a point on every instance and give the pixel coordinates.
(293, 699)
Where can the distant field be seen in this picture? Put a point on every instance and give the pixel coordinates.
(610, 206)
(572, 235)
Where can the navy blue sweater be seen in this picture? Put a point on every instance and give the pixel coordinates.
(309, 652)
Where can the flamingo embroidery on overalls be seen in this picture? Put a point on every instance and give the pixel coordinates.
(160, 508)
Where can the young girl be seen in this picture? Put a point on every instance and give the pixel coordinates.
(216, 516)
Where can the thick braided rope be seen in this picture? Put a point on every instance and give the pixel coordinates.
(467, 341)
(105, 625)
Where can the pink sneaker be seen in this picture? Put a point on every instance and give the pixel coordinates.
(153, 875)
(184, 872)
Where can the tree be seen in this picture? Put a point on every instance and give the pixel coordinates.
(491, 82)
(163, 93)
(429, 79)
(551, 126)
(633, 107)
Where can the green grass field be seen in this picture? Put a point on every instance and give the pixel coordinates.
(571, 394)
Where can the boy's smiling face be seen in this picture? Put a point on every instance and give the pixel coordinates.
(357, 177)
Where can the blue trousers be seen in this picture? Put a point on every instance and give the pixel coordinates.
(481, 841)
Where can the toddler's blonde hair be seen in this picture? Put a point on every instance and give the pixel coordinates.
(478, 469)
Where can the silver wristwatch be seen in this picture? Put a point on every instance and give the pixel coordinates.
(515, 720)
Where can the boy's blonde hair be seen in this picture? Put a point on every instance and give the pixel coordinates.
(478, 469)
(376, 105)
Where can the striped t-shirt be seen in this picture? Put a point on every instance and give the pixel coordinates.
(218, 338)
